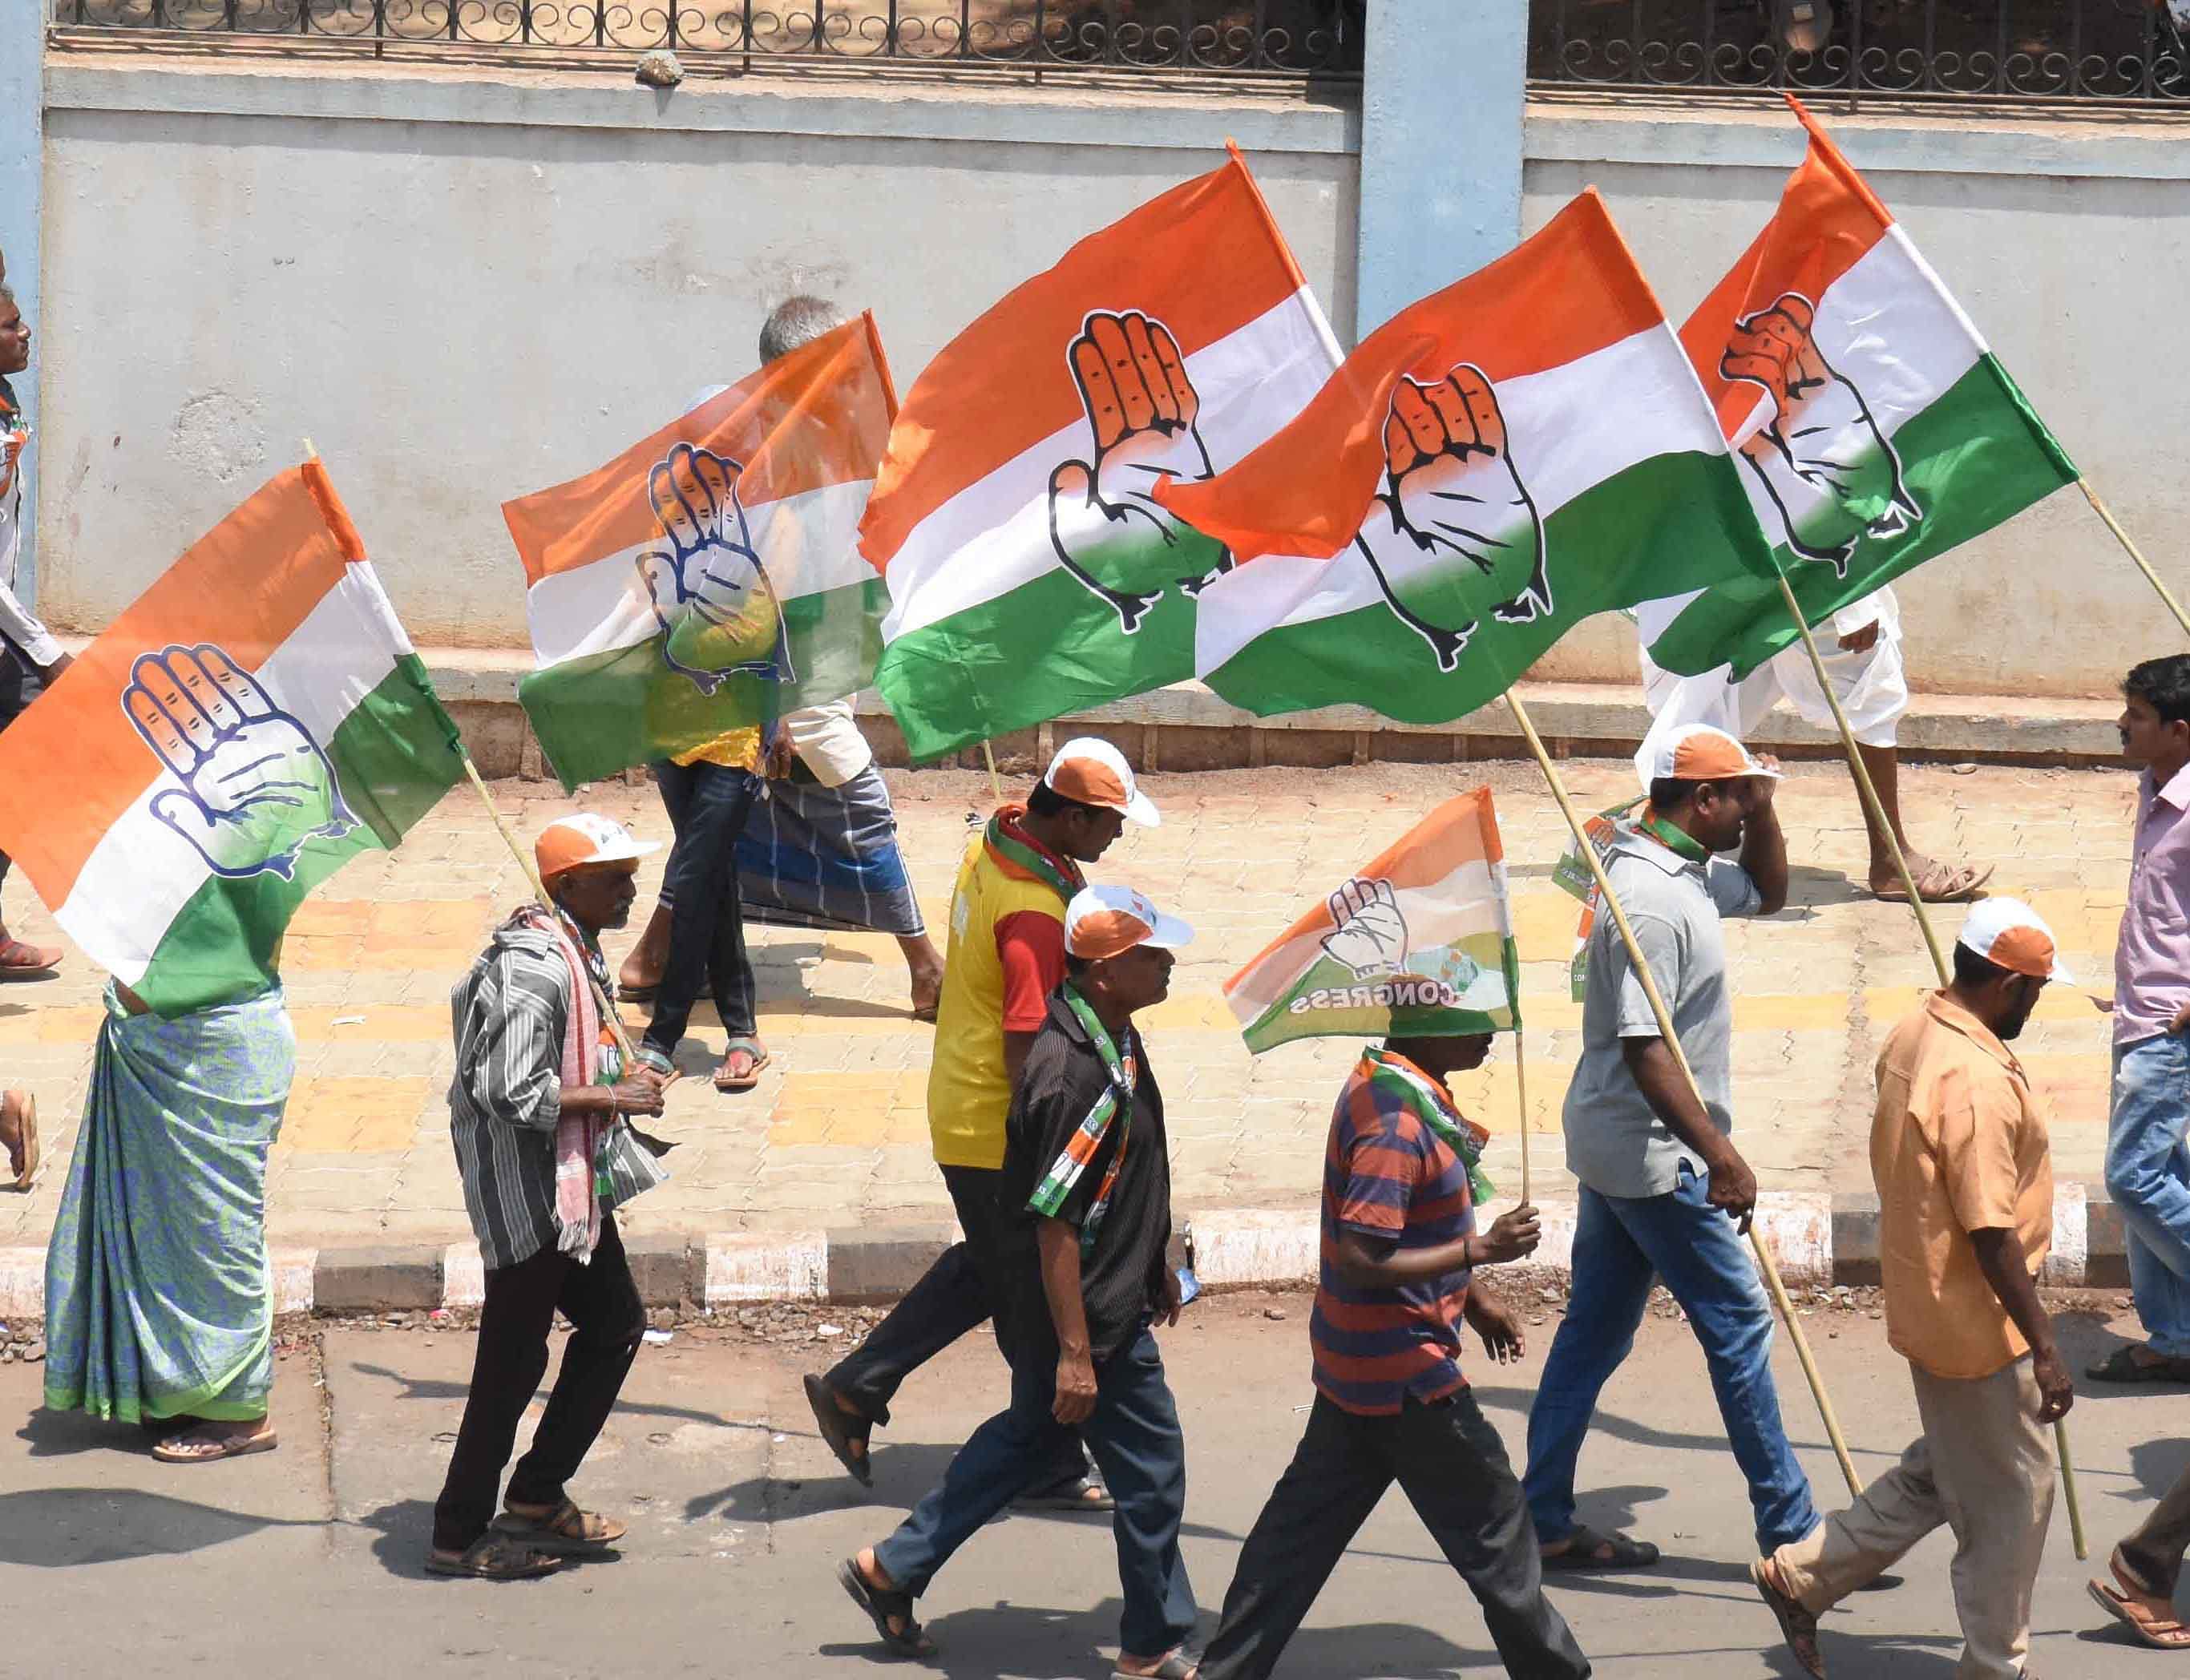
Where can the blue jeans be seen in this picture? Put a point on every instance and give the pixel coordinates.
(1133, 1433)
(707, 805)
(2149, 1177)
(1619, 1243)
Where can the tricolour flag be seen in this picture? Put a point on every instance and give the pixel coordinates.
(1500, 460)
(252, 721)
(709, 577)
(1875, 428)
(1032, 571)
(1419, 942)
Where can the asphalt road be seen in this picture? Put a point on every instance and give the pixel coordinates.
(306, 1560)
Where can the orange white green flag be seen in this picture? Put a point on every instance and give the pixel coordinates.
(1874, 426)
(251, 723)
(1502, 459)
(1031, 572)
(1419, 942)
(709, 578)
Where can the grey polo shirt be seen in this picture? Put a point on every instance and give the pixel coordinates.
(1616, 1144)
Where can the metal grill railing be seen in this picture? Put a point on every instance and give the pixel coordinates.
(2061, 51)
(1277, 39)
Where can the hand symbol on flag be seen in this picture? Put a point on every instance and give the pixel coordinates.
(1829, 469)
(1104, 523)
(711, 595)
(1371, 935)
(1454, 530)
(256, 788)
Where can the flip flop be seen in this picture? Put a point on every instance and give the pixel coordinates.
(1176, 1665)
(2150, 1629)
(565, 1530)
(881, 1603)
(726, 1080)
(21, 962)
(1084, 1494)
(494, 1556)
(834, 1425)
(635, 994)
(178, 1448)
(1797, 1626)
(2122, 1366)
(1960, 884)
(1583, 1543)
(27, 1149)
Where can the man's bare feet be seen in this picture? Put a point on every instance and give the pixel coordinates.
(925, 964)
(641, 973)
(19, 1136)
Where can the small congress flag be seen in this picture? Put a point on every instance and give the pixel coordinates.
(708, 579)
(1419, 942)
(1874, 426)
(256, 719)
(1502, 459)
(1031, 572)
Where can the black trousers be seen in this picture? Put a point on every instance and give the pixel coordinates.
(607, 1323)
(1452, 1465)
(956, 1295)
(21, 683)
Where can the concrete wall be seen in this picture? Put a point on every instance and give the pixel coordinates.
(463, 290)
(2067, 244)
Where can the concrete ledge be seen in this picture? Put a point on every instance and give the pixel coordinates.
(392, 1280)
(880, 1263)
(662, 1265)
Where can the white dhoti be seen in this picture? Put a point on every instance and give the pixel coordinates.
(1870, 685)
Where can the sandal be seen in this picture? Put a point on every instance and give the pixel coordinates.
(1083, 1493)
(493, 1556)
(727, 1079)
(198, 1445)
(1176, 1665)
(2151, 1630)
(1942, 884)
(1584, 1544)
(23, 1149)
(1798, 1625)
(566, 1530)
(837, 1427)
(2122, 1366)
(882, 1603)
(21, 962)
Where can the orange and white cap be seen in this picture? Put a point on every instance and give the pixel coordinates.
(569, 843)
(2010, 935)
(1103, 922)
(1699, 753)
(1095, 773)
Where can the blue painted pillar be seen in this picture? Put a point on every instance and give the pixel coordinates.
(1442, 101)
(22, 179)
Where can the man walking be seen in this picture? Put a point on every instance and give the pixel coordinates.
(1399, 1247)
(2148, 1162)
(2146, 1568)
(536, 1115)
(1964, 1176)
(1663, 1190)
(1085, 1214)
(1007, 954)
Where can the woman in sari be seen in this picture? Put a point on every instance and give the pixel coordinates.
(159, 1300)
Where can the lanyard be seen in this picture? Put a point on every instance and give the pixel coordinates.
(1000, 839)
(1124, 1074)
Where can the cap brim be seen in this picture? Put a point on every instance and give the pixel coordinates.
(631, 854)
(1170, 934)
(1142, 810)
(2061, 974)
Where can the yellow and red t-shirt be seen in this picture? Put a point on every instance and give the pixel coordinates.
(1006, 956)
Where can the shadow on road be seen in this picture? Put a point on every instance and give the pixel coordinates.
(59, 1527)
(404, 1530)
(431, 1388)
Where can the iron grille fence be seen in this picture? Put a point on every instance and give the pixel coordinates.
(1278, 39)
(2068, 52)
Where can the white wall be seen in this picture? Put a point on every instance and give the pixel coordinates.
(463, 290)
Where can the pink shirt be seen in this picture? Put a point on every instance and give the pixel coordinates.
(2152, 963)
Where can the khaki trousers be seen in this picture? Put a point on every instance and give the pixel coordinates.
(1984, 1467)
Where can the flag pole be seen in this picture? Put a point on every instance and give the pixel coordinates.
(2142, 565)
(995, 787)
(1875, 810)
(1521, 1089)
(1765, 1263)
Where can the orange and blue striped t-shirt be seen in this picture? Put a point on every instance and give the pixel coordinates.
(1389, 1176)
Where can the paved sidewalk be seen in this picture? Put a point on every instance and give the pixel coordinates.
(836, 1134)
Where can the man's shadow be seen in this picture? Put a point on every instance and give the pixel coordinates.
(60, 1528)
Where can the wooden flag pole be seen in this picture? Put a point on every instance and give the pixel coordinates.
(2143, 565)
(995, 787)
(1521, 1089)
(1765, 1263)
(1875, 810)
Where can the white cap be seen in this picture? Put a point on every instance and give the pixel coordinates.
(1095, 773)
(2010, 935)
(1699, 753)
(1103, 922)
(570, 843)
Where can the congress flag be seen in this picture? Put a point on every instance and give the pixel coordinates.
(1032, 571)
(1505, 458)
(254, 720)
(709, 578)
(1874, 426)
(1420, 942)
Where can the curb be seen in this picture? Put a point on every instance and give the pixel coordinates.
(1818, 1239)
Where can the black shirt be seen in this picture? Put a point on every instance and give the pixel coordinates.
(1121, 1281)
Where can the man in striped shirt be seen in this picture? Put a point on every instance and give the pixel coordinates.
(1400, 1246)
(509, 1109)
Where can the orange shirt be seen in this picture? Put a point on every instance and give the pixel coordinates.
(1957, 1144)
